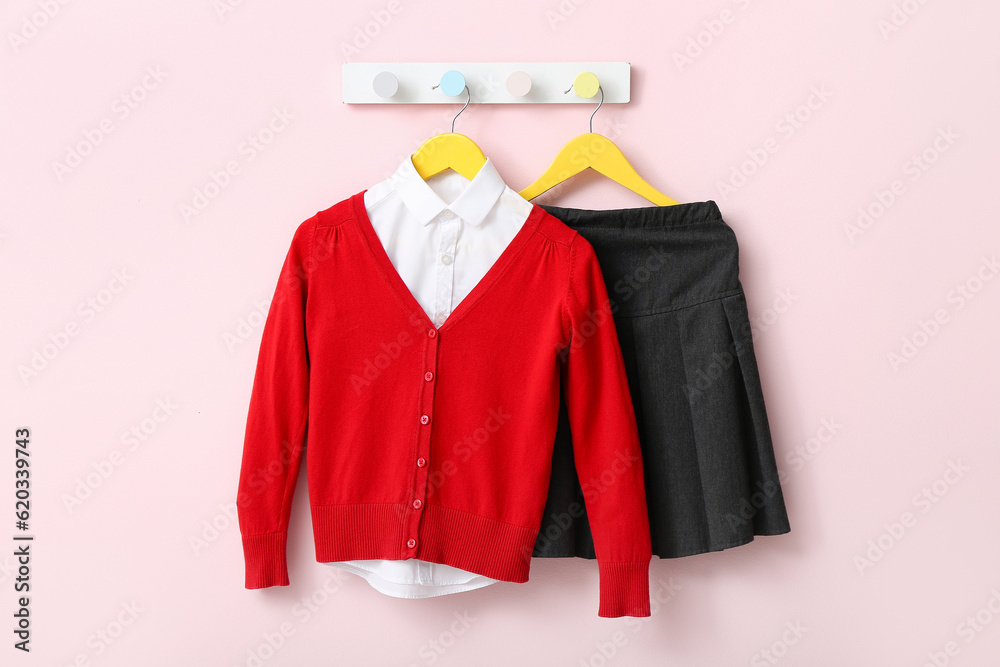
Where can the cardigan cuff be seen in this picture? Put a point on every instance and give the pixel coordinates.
(265, 560)
(624, 589)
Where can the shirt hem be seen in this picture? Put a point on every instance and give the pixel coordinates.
(399, 589)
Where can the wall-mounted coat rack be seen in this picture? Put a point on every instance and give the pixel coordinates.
(488, 83)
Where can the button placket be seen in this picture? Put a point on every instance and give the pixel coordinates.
(427, 379)
(444, 280)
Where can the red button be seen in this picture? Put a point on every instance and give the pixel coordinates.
(411, 543)
(432, 332)
(421, 462)
(424, 419)
(417, 504)
(428, 376)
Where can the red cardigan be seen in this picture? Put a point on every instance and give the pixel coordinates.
(436, 443)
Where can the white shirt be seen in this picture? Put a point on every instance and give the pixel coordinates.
(442, 235)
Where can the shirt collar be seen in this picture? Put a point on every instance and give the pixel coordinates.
(472, 205)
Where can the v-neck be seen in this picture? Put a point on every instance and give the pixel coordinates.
(395, 281)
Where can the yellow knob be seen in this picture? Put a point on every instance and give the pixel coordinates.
(586, 84)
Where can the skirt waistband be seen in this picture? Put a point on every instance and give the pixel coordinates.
(656, 259)
(687, 213)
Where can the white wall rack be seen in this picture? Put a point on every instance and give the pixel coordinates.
(488, 83)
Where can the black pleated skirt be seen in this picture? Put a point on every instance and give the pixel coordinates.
(672, 274)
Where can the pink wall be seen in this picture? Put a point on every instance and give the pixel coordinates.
(865, 444)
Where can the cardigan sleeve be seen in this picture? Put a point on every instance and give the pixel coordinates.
(276, 422)
(606, 441)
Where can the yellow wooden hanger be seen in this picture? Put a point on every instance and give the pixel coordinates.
(449, 150)
(597, 152)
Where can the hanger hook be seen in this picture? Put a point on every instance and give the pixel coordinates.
(599, 88)
(463, 109)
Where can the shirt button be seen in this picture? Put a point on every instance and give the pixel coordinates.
(428, 376)
(417, 504)
(421, 462)
(424, 419)
(439, 319)
(411, 543)
(432, 332)
(446, 259)
(447, 214)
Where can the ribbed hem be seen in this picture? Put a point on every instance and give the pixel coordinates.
(266, 564)
(467, 541)
(624, 589)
